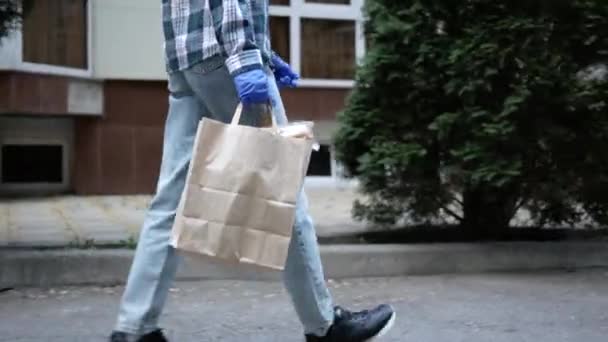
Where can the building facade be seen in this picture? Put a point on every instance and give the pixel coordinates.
(83, 94)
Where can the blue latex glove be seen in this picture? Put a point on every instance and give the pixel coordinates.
(282, 72)
(252, 87)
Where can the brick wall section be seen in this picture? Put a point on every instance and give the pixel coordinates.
(5, 92)
(121, 153)
(33, 93)
(313, 103)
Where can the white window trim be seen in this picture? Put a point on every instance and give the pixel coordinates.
(50, 69)
(326, 83)
(299, 9)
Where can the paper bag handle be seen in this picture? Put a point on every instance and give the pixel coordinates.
(236, 118)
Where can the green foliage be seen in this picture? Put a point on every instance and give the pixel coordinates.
(10, 16)
(476, 108)
(130, 243)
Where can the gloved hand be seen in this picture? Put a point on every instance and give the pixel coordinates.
(252, 86)
(282, 72)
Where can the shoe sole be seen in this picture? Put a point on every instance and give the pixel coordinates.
(387, 327)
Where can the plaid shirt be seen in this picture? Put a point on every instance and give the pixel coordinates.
(233, 31)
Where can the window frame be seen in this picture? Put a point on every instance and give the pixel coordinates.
(56, 69)
(300, 9)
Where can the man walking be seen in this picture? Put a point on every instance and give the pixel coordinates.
(218, 54)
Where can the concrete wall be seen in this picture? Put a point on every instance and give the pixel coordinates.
(127, 40)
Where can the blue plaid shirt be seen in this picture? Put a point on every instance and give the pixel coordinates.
(232, 31)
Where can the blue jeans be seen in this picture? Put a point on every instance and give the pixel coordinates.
(194, 94)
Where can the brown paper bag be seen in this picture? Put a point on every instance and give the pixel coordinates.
(239, 200)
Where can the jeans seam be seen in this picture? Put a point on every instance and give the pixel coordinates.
(320, 326)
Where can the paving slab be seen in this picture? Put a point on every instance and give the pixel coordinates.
(85, 220)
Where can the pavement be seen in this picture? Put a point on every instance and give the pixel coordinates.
(77, 221)
(55, 241)
(86, 221)
(545, 307)
(54, 267)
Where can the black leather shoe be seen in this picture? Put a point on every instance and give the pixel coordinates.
(358, 326)
(155, 336)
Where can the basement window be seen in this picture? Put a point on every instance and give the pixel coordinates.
(31, 164)
(320, 162)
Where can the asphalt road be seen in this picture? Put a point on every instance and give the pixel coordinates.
(554, 307)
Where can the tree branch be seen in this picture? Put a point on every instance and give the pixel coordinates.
(455, 199)
(451, 213)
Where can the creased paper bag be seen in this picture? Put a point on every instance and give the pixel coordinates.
(239, 199)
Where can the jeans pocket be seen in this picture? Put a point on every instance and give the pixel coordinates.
(208, 65)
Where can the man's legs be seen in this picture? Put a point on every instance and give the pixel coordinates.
(305, 281)
(303, 273)
(197, 93)
(155, 261)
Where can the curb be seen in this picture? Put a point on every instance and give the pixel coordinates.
(44, 268)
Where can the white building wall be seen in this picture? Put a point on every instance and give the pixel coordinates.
(127, 39)
(9, 53)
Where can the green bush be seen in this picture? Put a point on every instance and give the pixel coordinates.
(474, 109)
(10, 16)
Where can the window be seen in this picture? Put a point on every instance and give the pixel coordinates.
(32, 164)
(328, 49)
(320, 162)
(322, 39)
(35, 154)
(279, 35)
(55, 32)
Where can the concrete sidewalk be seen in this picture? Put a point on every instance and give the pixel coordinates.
(546, 307)
(33, 233)
(43, 268)
(116, 220)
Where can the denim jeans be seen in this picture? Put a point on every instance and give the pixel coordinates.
(194, 94)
